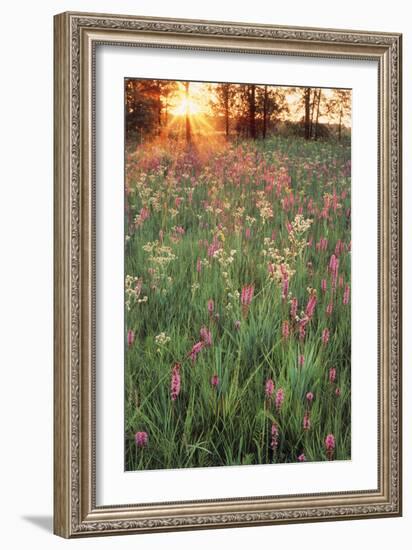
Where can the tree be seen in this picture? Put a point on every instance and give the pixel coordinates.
(307, 92)
(310, 102)
(319, 95)
(168, 87)
(187, 114)
(244, 109)
(146, 105)
(252, 110)
(272, 105)
(343, 104)
(240, 109)
(339, 108)
(224, 98)
(140, 108)
(265, 112)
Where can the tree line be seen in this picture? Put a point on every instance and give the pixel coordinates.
(241, 110)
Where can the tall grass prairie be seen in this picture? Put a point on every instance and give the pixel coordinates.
(237, 302)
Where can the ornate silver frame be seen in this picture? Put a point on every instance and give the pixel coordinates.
(75, 38)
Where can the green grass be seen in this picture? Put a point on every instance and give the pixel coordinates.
(231, 424)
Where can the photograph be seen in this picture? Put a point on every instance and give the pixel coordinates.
(227, 273)
(237, 274)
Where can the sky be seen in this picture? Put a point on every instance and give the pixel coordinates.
(201, 95)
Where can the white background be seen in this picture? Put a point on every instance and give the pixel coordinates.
(26, 271)
(115, 486)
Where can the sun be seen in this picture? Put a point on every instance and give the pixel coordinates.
(193, 101)
(188, 106)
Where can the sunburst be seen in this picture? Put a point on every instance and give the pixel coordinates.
(186, 106)
(195, 103)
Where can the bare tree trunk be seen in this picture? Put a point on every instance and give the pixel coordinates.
(312, 110)
(188, 128)
(307, 112)
(317, 115)
(166, 110)
(265, 112)
(340, 124)
(252, 111)
(159, 108)
(226, 98)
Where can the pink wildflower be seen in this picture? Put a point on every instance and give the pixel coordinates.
(141, 439)
(214, 381)
(179, 230)
(332, 375)
(325, 336)
(247, 233)
(138, 287)
(285, 329)
(330, 445)
(213, 247)
(302, 330)
(196, 349)
(329, 308)
(143, 215)
(337, 392)
(280, 396)
(130, 337)
(175, 382)
(322, 245)
(206, 336)
(333, 263)
(346, 295)
(302, 458)
(309, 396)
(339, 248)
(333, 268)
(285, 288)
(310, 308)
(269, 388)
(301, 360)
(247, 295)
(323, 285)
(246, 298)
(199, 265)
(275, 436)
(340, 281)
(210, 306)
(293, 308)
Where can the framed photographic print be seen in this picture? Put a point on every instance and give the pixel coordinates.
(227, 274)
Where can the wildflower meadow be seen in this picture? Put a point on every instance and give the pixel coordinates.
(237, 277)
